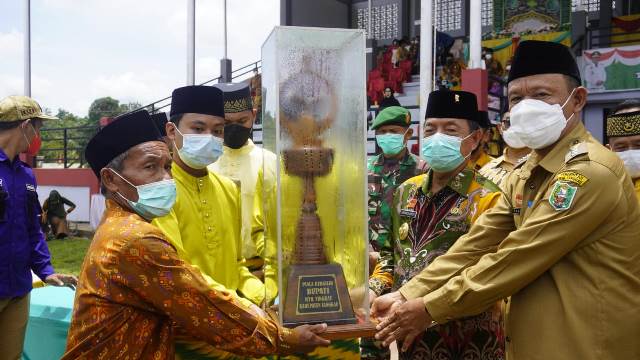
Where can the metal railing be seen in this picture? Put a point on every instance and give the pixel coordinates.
(604, 37)
(65, 146)
(162, 104)
(69, 149)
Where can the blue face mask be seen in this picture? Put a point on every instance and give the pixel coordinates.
(391, 144)
(154, 199)
(199, 151)
(442, 152)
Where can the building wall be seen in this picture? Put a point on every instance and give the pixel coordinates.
(403, 19)
(75, 184)
(599, 106)
(315, 13)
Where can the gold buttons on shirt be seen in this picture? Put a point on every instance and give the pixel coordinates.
(206, 215)
(209, 228)
(204, 201)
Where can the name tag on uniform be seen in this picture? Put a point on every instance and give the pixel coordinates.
(31, 188)
(408, 213)
(515, 211)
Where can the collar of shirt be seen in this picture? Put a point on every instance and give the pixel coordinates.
(14, 164)
(113, 209)
(192, 183)
(497, 162)
(406, 160)
(483, 160)
(3, 156)
(245, 149)
(459, 183)
(555, 159)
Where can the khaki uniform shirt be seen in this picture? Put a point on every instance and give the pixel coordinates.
(564, 243)
(498, 169)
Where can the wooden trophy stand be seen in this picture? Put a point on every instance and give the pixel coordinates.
(316, 290)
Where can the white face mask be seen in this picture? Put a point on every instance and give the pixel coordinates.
(537, 123)
(631, 159)
(198, 151)
(512, 140)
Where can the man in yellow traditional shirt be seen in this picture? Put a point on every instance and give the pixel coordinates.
(623, 131)
(204, 225)
(561, 243)
(241, 161)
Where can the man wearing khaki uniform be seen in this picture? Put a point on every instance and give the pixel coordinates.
(562, 244)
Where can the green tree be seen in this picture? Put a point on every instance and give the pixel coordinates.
(106, 106)
(77, 136)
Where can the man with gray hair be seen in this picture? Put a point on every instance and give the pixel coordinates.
(135, 292)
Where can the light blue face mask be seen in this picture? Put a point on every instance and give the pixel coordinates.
(199, 151)
(391, 144)
(442, 152)
(154, 199)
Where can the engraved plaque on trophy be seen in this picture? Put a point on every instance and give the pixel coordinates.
(314, 120)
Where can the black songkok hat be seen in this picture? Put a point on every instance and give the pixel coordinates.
(535, 57)
(452, 104)
(125, 132)
(625, 124)
(198, 99)
(237, 97)
(159, 120)
(483, 119)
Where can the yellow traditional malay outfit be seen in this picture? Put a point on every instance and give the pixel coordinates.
(204, 227)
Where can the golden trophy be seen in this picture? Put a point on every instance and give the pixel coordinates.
(308, 116)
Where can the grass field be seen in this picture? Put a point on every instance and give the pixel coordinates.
(67, 255)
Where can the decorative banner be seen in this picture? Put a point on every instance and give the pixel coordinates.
(609, 69)
(626, 30)
(503, 48)
(521, 16)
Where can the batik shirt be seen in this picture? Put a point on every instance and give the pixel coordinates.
(134, 292)
(385, 175)
(425, 226)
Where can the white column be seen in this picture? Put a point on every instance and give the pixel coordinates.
(426, 56)
(370, 22)
(191, 42)
(475, 34)
(225, 29)
(27, 48)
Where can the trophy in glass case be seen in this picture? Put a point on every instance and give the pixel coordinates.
(314, 121)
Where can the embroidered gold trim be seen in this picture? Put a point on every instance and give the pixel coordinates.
(234, 106)
(624, 124)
